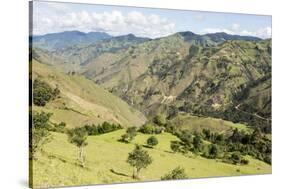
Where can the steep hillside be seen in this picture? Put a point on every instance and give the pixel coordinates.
(198, 74)
(82, 55)
(82, 102)
(192, 78)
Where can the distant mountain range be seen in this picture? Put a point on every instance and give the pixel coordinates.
(55, 41)
(217, 75)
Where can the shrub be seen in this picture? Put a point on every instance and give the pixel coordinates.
(152, 141)
(213, 151)
(147, 129)
(177, 173)
(175, 146)
(159, 120)
(131, 132)
(43, 93)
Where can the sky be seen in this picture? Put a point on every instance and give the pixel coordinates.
(52, 17)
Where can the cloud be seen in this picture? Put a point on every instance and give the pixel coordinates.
(235, 29)
(114, 23)
(199, 17)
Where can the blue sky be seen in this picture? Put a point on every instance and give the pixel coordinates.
(50, 17)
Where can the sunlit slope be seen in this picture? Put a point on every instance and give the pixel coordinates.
(106, 162)
(83, 102)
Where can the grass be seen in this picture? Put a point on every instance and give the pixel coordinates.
(82, 101)
(195, 123)
(106, 162)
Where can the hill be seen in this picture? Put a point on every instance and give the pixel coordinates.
(57, 164)
(61, 40)
(82, 102)
(198, 74)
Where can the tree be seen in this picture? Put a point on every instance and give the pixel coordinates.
(159, 120)
(147, 129)
(213, 151)
(78, 137)
(39, 132)
(138, 159)
(197, 143)
(131, 132)
(152, 141)
(43, 93)
(175, 146)
(186, 138)
(177, 173)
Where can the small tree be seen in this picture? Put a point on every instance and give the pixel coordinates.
(175, 146)
(78, 137)
(159, 120)
(131, 132)
(152, 141)
(39, 132)
(138, 159)
(177, 173)
(213, 151)
(147, 129)
(197, 143)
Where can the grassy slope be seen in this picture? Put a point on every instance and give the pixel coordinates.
(194, 123)
(83, 102)
(56, 165)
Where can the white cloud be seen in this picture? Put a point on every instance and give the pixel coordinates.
(235, 27)
(236, 30)
(114, 23)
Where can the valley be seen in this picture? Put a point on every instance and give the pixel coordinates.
(205, 98)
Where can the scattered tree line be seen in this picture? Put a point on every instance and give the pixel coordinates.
(230, 148)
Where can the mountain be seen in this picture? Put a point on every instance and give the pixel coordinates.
(82, 102)
(55, 41)
(217, 75)
(83, 55)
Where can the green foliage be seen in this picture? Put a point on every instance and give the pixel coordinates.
(78, 137)
(186, 137)
(43, 93)
(197, 143)
(131, 132)
(159, 120)
(138, 159)
(152, 141)
(105, 127)
(175, 146)
(39, 132)
(147, 128)
(213, 152)
(235, 158)
(60, 128)
(175, 174)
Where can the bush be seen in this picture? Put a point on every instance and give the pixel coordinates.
(175, 146)
(177, 173)
(131, 132)
(43, 93)
(147, 129)
(159, 120)
(213, 151)
(186, 137)
(60, 128)
(152, 141)
(105, 127)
